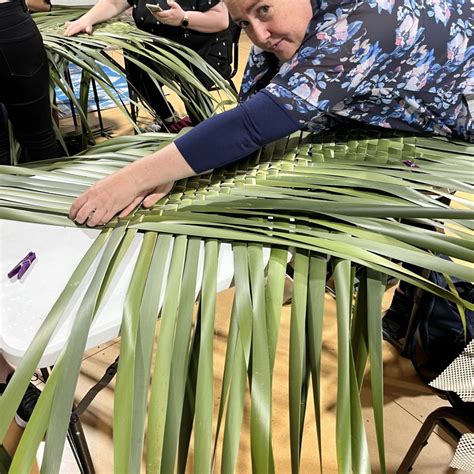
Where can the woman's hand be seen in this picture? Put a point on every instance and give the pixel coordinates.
(103, 10)
(114, 194)
(144, 181)
(82, 25)
(171, 17)
(211, 21)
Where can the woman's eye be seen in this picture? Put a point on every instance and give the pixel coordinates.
(263, 11)
(243, 24)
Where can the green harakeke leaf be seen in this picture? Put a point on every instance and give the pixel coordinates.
(181, 355)
(205, 373)
(159, 397)
(316, 297)
(298, 355)
(144, 347)
(342, 278)
(376, 283)
(345, 195)
(241, 323)
(125, 392)
(94, 55)
(72, 358)
(261, 377)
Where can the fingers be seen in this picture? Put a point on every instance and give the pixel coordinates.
(131, 206)
(161, 16)
(72, 28)
(85, 209)
(156, 195)
(86, 214)
(92, 216)
(172, 17)
(97, 217)
(76, 206)
(99, 204)
(152, 199)
(67, 29)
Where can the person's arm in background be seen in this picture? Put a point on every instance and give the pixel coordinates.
(104, 10)
(35, 6)
(223, 139)
(211, 21)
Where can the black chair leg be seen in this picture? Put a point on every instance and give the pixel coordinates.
(67, 75)
(97, 105)
(438, 417)
(76, 438)
(78, 443)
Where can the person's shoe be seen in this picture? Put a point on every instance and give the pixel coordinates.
(180, 124)
(27, 403)
(153, 127)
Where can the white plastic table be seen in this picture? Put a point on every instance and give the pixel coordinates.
(26, 302)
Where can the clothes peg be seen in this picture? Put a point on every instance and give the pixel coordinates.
(410, 163)
(22, 266)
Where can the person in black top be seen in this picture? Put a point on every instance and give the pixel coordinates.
(24, 91)
(201, 25)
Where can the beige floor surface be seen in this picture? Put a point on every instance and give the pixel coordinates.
(407, 400)
(407, 403)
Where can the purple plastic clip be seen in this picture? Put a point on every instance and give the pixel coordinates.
(22, 266)
(410, 163)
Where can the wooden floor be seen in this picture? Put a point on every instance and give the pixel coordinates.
(407, 400)
(407, 403)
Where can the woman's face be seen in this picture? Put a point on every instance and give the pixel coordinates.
(276, 26)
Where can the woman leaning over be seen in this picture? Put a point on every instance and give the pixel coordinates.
(400, 64)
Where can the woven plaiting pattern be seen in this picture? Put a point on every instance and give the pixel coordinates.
(296, 152)
(464, 456)
(378, 146)
(459, 375)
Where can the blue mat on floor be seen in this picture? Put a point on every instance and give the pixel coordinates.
(104, 100)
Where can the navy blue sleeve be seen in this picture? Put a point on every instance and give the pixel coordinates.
(234, 134)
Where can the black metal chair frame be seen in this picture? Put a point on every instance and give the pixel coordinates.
(75, 435)
(442, 417)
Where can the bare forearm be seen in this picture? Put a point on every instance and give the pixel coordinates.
(212, 21)
(105, 10)
(161, 167)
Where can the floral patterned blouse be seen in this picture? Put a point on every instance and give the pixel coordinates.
(402, 64)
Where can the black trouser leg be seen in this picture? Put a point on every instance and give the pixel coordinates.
(4, 139)
(24, 84)
(145, 86)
